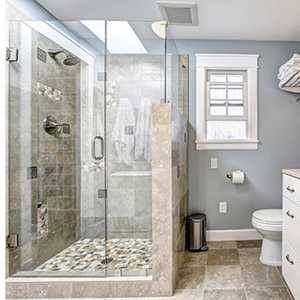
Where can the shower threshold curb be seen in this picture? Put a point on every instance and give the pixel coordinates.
(80, 287)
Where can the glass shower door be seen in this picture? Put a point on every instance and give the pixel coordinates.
(56, 168)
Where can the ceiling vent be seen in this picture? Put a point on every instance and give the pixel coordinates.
(179, 13)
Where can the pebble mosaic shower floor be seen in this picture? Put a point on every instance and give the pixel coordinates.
(89, 255)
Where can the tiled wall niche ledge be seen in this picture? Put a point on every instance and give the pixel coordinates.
(80, 287)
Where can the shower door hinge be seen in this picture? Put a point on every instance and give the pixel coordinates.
(12, 241)
(12, 54)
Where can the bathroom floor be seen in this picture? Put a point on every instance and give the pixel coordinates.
(228, 271)
(89, 255)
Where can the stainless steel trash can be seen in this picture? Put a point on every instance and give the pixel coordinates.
(196, 233)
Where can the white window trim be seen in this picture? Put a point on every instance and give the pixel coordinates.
(205, 62)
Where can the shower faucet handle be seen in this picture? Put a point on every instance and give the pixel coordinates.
(50, 125)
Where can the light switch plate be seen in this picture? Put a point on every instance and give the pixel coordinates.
(214, 163)
(222, 207)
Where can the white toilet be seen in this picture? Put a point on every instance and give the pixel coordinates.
(268, 222)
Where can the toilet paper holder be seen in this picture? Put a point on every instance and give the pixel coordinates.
(229, 175)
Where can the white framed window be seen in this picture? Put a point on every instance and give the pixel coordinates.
(226, 102)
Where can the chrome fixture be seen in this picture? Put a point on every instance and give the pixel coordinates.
(290, 215)
(229, 175)
(51, 126)
(289, 260)
(70, 59)
(94, 147)
(12, 241)
(12, 54)
(290, 189)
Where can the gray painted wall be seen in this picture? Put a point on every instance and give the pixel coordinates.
(279, 135)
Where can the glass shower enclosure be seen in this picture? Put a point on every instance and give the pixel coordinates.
(80, 97)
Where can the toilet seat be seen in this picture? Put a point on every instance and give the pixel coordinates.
(268, 216)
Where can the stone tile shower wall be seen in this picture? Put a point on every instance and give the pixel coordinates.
(134, 77)
(170, 195)
(180, 184)
(42, 167)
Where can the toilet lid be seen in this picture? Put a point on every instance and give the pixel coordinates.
(270, 216)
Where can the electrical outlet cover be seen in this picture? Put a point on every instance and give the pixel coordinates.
(222, 207)
(214, 163)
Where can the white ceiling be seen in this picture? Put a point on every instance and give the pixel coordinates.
(277, 20)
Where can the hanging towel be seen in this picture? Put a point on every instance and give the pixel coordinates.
(289, 74)
(123, 132)
(143, 134)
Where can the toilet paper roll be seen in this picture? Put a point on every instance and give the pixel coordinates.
(238, 177)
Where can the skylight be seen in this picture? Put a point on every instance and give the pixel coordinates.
(121, 38)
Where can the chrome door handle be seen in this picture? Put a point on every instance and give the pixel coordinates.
(94, 147)
(289, 260)
(290, 189)
(290, 215)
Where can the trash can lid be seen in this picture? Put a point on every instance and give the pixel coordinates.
(197, 217)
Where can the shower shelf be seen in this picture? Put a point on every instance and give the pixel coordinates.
(131, 173)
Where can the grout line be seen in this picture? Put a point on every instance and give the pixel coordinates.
(246, 295)
(281, 276)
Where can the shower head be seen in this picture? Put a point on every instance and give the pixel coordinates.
(70, 59)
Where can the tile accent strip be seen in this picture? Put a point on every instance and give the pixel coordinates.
(49, 92)
(92, 166)
(42, 221)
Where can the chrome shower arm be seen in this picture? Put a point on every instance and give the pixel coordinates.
(53, 52)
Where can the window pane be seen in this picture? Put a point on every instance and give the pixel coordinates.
(217, 92)
(235, 92)
(235, 108)
(218, 108)
(226, 130)
(235, 78)
(218, 77)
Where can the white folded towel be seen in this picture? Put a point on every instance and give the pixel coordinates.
(121, 134)
(289, 75)
(143, 134)
(294, 60)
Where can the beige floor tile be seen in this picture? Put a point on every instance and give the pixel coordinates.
(194, 259)
(249, 256)
(268, 293)
(222, 245)
(191, 278)
(194, 294)
(219, 277)
(249, 244)
(223, 257)
(236, 294)
(261, 275)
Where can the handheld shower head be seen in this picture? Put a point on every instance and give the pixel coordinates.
(70, 59)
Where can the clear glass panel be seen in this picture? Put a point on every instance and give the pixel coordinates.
(235, 92)
(176, 89)
(218, 108)
(217, 77)
(57, 189)
(235, 78)
(226, 130)
(138, 81)
(235, 108)
(172, 71)
(217, 91)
